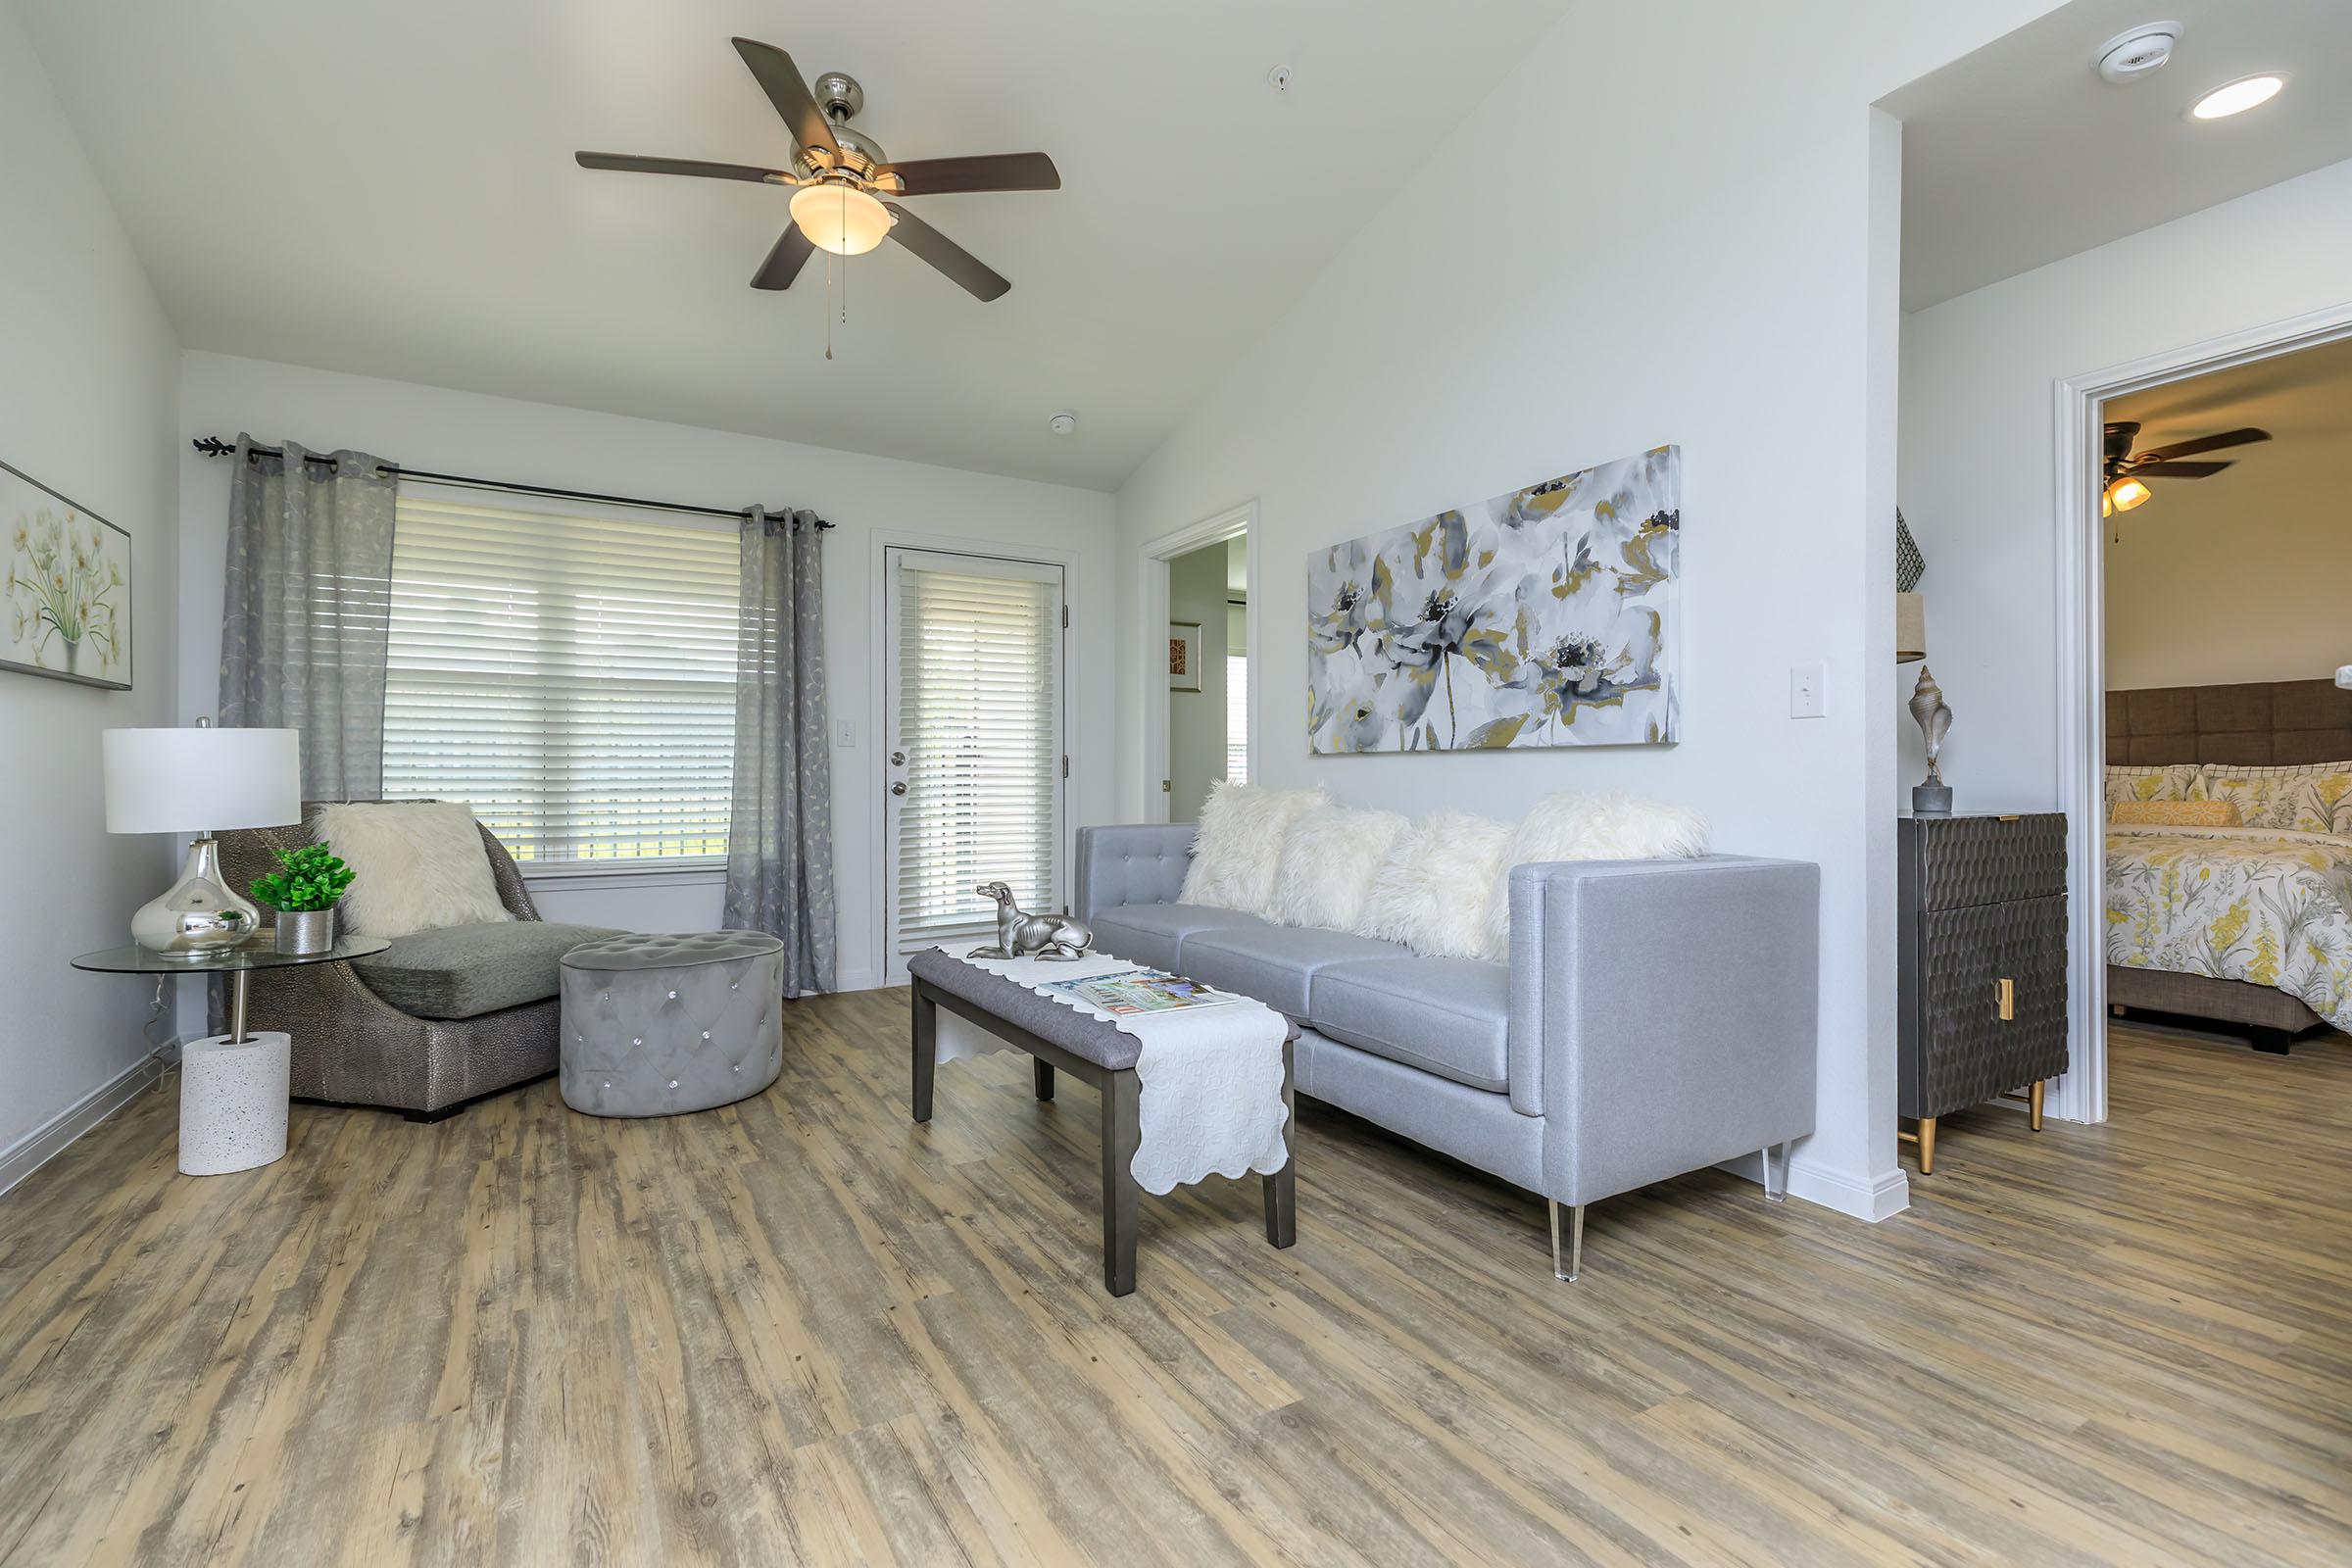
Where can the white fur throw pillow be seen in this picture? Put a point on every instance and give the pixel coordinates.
(1328, 864)
(418, 866)
(1430, 893)
(1591, 827)
(1240, 844)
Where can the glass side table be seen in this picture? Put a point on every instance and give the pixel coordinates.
(232, 1086)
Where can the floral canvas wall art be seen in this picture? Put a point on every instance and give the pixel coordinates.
(66, 586)
(1543, 617)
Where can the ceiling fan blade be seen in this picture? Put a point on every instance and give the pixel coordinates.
(684, 166)
(2175, 471)
(2206, 443)
(787, 90)
(946, 254)
(785, 260)
(939, 176)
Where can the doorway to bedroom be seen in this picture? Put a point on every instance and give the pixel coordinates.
(1198, 628)
(2226, 572)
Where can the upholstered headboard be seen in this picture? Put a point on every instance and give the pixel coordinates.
(2255, 725)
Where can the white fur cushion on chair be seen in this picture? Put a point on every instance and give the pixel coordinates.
(1328, 864)
(1240, 844)
(418, 866)
(1430, 893)
(1590, 827)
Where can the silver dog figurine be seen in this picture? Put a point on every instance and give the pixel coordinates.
(1020, 935)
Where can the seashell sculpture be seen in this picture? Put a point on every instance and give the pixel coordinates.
(1020, 935)
(1931, 797)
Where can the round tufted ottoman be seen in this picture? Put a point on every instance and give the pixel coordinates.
(654, 1025)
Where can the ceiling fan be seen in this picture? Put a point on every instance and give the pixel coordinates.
(842, 176)
(2125, 472)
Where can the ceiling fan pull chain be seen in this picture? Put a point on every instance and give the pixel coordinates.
(828, 305)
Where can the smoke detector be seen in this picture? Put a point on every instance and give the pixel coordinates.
(1062, 424)
(2138, 54)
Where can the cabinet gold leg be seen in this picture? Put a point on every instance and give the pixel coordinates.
(1927, 1146)
(2033, 1104)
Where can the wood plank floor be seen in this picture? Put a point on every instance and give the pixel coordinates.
(803, 1330)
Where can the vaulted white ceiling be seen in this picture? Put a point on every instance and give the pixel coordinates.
(389, 189)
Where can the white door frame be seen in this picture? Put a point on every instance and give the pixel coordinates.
(876, 771)
(2081, 1095)
(1151, 617)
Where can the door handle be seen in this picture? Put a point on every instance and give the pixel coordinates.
(899, 788)
(2005, 996)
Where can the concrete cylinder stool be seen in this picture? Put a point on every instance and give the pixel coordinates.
(654, 1025)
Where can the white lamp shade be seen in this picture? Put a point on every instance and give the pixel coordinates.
(1910, 628)
(201, 780)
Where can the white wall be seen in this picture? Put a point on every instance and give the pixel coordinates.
(1197, 591)
(1979, 441)
(85, 407)
(1673, 222)
(463, 432)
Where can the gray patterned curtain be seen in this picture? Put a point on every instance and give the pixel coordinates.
(780, 831)
(307, 619)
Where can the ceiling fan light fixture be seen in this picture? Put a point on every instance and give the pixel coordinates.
(2236, 97)
(840, 218)
(2124, 495)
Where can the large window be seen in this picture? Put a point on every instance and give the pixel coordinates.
(573, 677)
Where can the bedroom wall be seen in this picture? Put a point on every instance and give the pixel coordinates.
(463, 432)
(1981, 508)
(2245, 575)
(1632, 241)
(1197, 720)
(87, 408)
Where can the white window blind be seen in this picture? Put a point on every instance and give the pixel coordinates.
(979, 720)
(1237, 718)
(574, 678)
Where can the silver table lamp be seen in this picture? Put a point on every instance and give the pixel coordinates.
(197, 781)
(1931, 797)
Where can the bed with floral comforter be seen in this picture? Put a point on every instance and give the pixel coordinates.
(2270, 906)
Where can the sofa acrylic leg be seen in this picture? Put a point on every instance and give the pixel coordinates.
(1575, 1241)
(1776, 1173)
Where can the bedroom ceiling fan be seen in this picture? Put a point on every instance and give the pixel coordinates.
(2125, 472)
(841, 179)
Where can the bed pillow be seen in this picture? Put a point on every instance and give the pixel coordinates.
(2175, 813)
(2300, 798)
(2171, 782)
(418, 866)
(1327, 865)
(1240, 845)
(1430, 893)
(1575, 826)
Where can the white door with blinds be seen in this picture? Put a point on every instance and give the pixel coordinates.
(975, 767)
(572, 676)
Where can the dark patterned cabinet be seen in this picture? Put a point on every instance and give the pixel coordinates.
(1980, 963)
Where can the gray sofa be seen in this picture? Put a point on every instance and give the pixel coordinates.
(1655, 1016)
(436, 1019)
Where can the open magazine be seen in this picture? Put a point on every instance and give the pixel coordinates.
(1140, 991)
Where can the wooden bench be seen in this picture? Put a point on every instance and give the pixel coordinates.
(1066, 1040)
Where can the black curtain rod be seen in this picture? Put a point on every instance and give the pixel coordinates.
(211, 446)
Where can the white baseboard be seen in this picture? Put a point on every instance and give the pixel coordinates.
(47, 1141)
(1861, 1197)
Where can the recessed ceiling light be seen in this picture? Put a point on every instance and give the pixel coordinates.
(2236, 97)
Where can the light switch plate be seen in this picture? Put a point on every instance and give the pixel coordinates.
(1808, 691)
(845, 732)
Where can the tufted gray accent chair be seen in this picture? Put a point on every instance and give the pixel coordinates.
(351, 1046)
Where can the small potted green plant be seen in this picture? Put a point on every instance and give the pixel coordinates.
(304, 890)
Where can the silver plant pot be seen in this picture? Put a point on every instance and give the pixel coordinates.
(305, 931)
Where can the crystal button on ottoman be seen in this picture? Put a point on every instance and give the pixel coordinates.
(654, 1025)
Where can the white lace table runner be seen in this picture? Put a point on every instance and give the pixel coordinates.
(1210, 1078)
